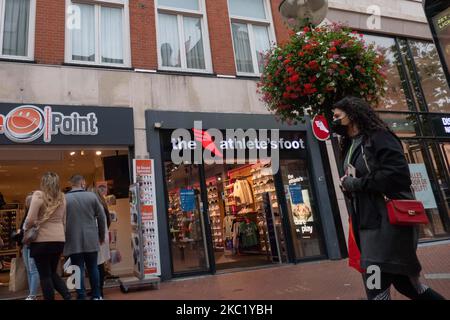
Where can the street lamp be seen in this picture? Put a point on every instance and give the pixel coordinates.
(314, 11)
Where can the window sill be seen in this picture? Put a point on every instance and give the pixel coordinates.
(97, 66)
(249, 76)
(22, 60)
(186, 73)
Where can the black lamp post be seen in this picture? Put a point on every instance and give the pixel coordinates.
(438, 16)
(304, 11)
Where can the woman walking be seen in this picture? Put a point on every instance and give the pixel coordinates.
(375, 167)
(104, 254)
(30, 265)
(48, 211)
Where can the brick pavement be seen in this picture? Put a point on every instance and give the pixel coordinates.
(323, 280)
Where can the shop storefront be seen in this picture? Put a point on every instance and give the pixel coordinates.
(417, 108)
(96, 142)
(238, 191)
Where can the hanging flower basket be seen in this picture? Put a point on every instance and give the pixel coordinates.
(317, 67)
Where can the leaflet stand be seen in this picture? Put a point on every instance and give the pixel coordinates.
(140, 281)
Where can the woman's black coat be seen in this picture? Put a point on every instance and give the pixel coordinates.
(381, 169)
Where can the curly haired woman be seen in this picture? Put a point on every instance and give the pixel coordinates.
(375, 166)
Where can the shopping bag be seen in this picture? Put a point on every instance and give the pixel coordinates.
(354, 255)
(18, 280)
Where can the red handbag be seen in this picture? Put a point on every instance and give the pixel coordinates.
(406, 212)
(403, 212)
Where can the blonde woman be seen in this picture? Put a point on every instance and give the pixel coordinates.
(48, 211)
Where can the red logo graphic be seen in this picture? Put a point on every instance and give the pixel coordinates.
(207, 141)
(23, 124)
(321, 128)
(2, 123)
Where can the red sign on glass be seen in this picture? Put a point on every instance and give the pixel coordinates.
(320, 127)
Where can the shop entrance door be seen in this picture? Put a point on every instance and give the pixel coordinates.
(186, 219)
(243, 216)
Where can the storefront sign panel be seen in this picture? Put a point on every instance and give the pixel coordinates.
(65, 125)
(143, 173)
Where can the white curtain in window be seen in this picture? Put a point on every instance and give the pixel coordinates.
(169, 40)
(195, 53)
(83, 35)
(112, 35)
(15, 31)
(181, 4)
(262, 44)
(248, 8)
(242, 49)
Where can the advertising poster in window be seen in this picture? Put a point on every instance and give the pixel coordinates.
(422, 186)
(145, 178)
(301, 211)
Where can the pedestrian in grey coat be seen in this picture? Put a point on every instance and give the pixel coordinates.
(375, 166)
(85, 230)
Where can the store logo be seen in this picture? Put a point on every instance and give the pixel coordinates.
(207, 142)
(249, 146)
(27, 123)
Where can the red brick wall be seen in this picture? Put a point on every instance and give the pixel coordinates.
(143, 34)
(50, 32)
(50, 29)
(281, 31)
(220, 37)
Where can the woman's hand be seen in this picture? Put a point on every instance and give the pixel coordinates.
(348, 183)
(341, 183)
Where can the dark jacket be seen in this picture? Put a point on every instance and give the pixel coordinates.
(381, 170)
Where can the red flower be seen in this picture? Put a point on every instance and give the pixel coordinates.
(301, 54)
(294, 78)
(307, 47)
(313, 65)
(309, 89)
(287, 61)
(306, 29)
(290, 70)
(286, 95)
(342, 72)
(333, 49)
(312, 79)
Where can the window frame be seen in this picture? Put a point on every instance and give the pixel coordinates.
(250, 22)
(124, 4)
(31, 33)
(180, 13)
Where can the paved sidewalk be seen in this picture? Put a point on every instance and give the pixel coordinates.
(324, 280)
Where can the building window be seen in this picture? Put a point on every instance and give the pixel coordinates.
(252, 29)
(183, 42)
(431, 75)
(395, 98)
(17, 20)
(98, 32)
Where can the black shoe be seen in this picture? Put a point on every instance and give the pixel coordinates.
(430, 294)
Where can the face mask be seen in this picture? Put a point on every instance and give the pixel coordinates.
(339, 128)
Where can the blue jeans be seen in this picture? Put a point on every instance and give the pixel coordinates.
(88, 259)
(32, 272)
